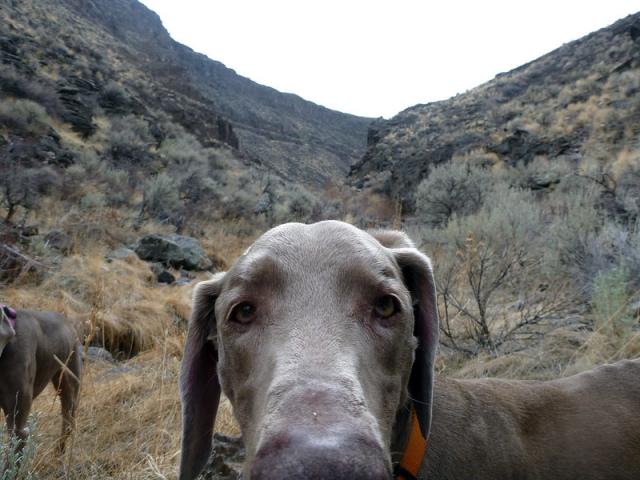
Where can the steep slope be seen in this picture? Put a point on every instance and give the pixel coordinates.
(581, 100)
(83, 45)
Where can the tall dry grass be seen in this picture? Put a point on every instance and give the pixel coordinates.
(128, 424)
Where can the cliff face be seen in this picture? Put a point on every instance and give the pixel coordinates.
(299, 139)
(581, 100)
(103, 41)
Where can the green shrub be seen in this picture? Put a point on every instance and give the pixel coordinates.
(24, 116)
(92, 164)
(114, 97)
(18, 465)
(93, 201)
(118, 192)
(610, 301)
(161, 198)
(453, 188)
(238, 204)
(130, 139)
(22, 187)
(18, 85)
(489, 260)
(182, 151)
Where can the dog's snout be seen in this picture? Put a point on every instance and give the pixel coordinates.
(297, 454)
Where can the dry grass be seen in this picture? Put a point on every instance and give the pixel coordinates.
(128, 424)
(118, 304)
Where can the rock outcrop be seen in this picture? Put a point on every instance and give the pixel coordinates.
(583, 95)
(177, 251)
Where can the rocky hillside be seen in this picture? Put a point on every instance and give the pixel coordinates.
(114, 56)
(579, 102)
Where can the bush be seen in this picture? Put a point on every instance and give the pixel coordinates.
(610, 302)
(453, 188)
(182, 151)
(24, 116)
(238, 204)
(114, 98)
(161, 199)
(117, 192)
(130, 139)
(93, 201)
(588, 241)
(17, 85)
(294, 203)
(488, 261)
(18, 465)
(23, 187)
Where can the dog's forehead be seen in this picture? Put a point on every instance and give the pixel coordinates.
(316, 239)
(329, 246)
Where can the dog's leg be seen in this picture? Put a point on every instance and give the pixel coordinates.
(67, 384)
(17, 415)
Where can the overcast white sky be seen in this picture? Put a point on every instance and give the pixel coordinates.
(377, 57)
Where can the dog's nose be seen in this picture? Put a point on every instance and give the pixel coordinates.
(318, 456)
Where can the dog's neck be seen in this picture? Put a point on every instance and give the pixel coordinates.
(400, 433)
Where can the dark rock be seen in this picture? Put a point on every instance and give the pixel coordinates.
(58, 240)
(177, 251)
(79, 97)
(540, 183)
(162, 274)
(165, 277)
(29, 231)
(226, 133)
(522, 146)
(226, 459)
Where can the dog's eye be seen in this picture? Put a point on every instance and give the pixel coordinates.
(386, 306)
(243, 313)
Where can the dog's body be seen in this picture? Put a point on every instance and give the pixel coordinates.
(323, 337)
(585, 427)
(34, 357)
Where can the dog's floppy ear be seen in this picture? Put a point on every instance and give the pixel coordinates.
(199, 383)
(418, 277)
(7, 326)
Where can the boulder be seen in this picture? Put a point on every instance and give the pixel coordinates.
(122, 253)
(100, 354)
(177, 251)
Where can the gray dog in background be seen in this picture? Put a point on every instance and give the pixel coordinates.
(34, 346)
(323, 337)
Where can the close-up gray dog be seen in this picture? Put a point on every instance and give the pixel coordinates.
(39, 348)
(323, 337)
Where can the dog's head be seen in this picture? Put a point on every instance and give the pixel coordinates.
(320, 335)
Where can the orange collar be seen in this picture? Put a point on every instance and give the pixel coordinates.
(414, 453)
